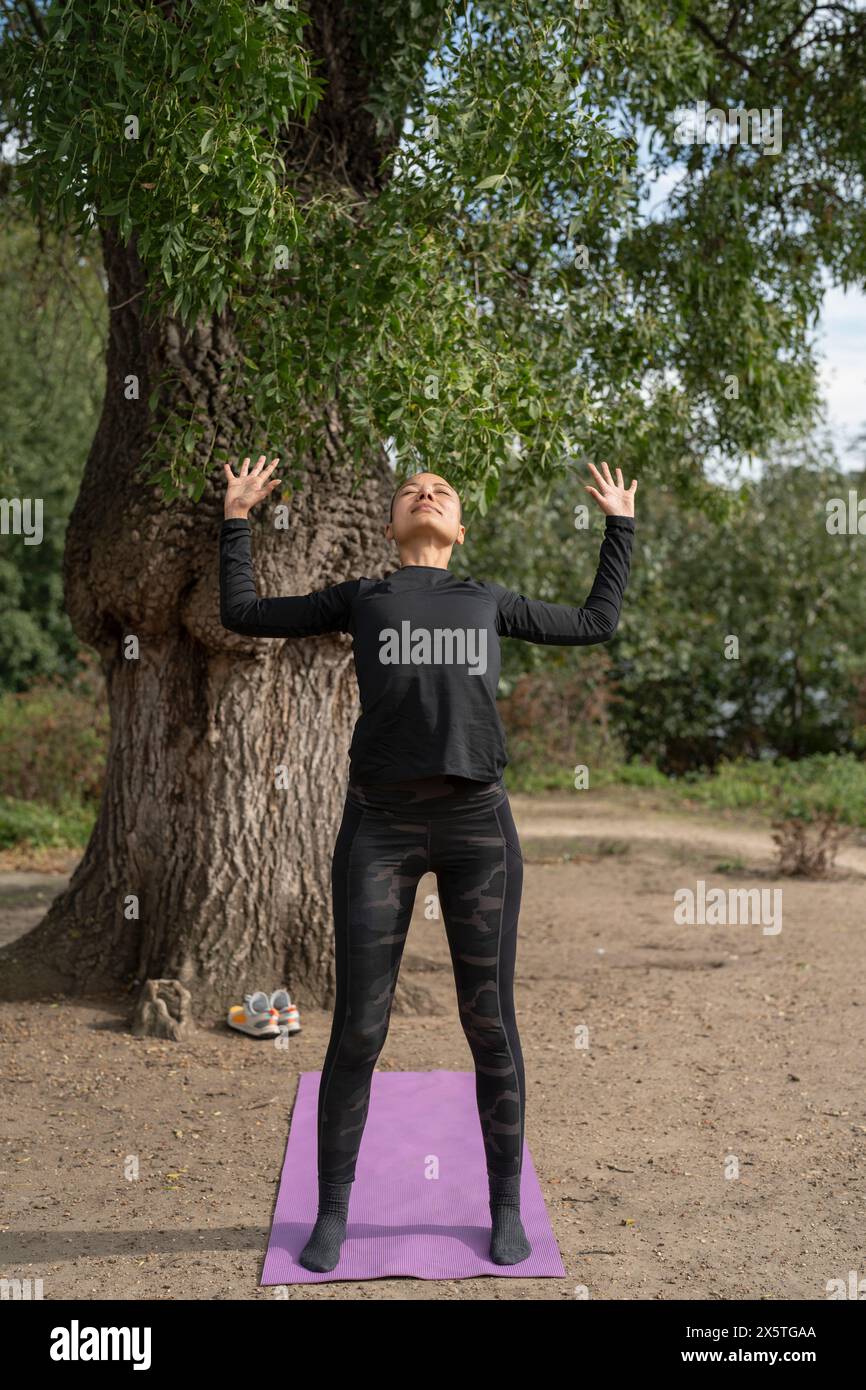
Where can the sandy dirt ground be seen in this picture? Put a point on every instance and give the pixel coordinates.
(707, 1143)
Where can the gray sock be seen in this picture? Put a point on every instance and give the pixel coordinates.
(508, 1242)
(322, 1250)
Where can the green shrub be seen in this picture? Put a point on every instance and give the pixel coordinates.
(555, 720)
(54, 740)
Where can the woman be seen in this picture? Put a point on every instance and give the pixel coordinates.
(425, 794)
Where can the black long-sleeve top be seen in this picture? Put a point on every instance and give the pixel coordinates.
(426, 649)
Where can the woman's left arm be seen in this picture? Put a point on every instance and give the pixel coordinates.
(560, 624)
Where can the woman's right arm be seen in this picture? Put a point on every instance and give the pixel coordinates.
(241, 610)
(297, 615)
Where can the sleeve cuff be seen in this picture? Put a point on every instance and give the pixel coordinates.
(618, 523)
(231, 523)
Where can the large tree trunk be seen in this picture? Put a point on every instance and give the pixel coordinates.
(202, 867)
(228, 860)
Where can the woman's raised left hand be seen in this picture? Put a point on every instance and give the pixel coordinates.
(614, 498)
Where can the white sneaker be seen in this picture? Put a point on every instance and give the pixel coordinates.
(255, 1016)
(289, 1020)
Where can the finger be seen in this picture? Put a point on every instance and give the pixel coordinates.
(594, 471)
(258, 468)
(227, 469)
(607, 473)
(275, 482)
(633, 487)
(245, 469)
(620, 481)
(270, 468)
(592, 492)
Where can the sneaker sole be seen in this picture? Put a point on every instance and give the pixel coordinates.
(255, 1032)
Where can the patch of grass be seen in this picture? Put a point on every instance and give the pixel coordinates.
(807, 789)
(529, 777)
(33, 824)
(633, 774)
(812, 787)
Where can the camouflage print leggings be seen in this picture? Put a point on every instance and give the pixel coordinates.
(462, 831)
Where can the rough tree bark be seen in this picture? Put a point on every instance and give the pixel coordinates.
(231, 873)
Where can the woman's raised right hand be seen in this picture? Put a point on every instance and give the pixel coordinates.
(248, 488)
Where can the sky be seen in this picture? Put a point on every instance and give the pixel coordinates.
(843, 376)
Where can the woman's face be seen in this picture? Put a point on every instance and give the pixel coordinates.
(426, 508)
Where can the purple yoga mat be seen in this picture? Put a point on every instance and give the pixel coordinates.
(402, 1222)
